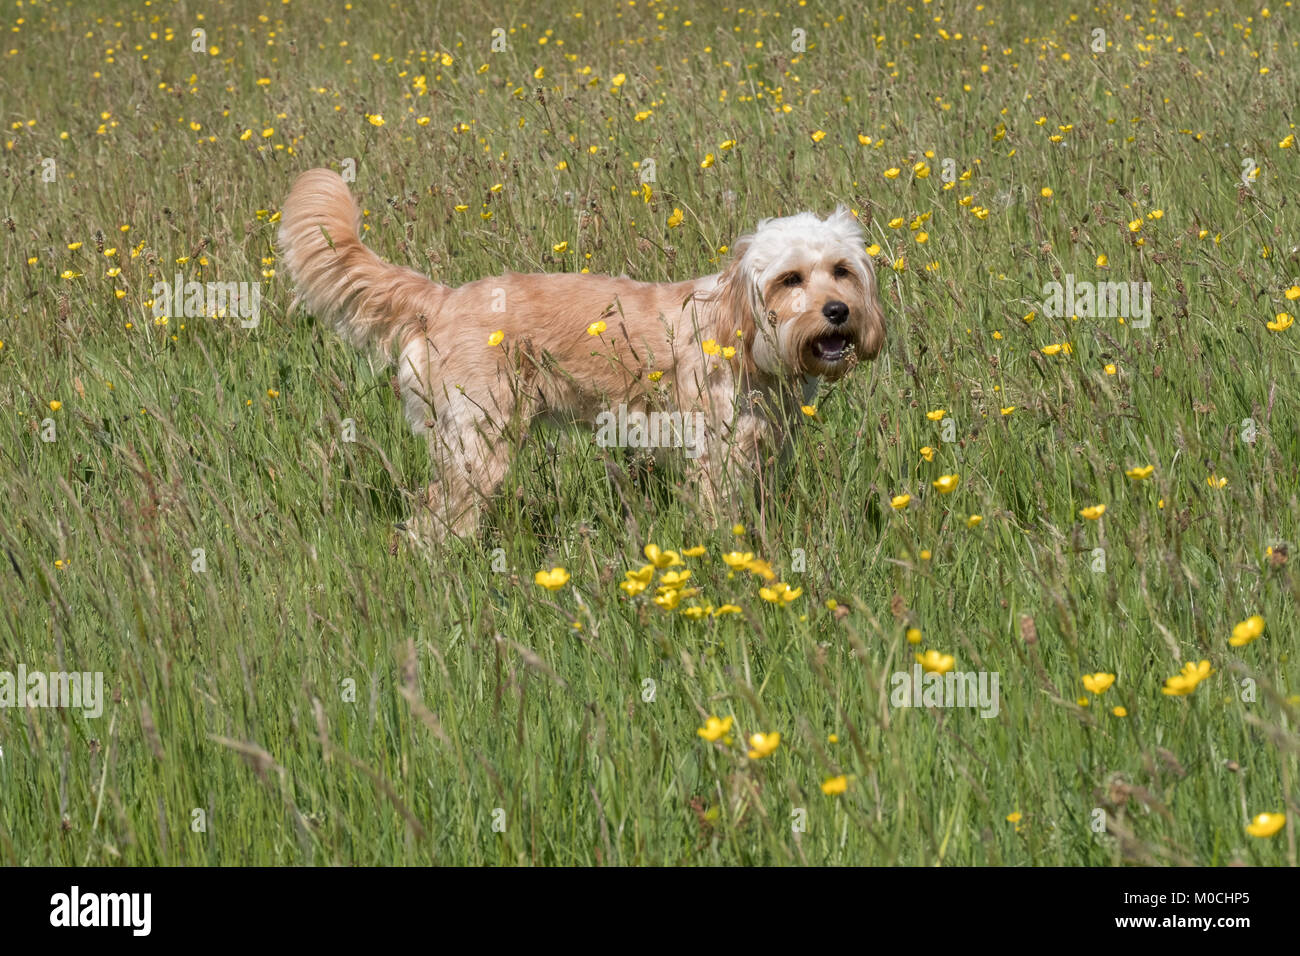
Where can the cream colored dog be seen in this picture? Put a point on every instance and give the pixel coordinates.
(798, 302)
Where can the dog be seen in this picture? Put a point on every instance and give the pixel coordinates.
(476, 364)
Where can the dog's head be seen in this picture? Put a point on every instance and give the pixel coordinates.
(802, 293)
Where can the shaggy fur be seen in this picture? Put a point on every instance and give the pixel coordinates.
(797, 302)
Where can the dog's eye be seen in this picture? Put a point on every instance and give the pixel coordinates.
(791, 279)
(841, 271)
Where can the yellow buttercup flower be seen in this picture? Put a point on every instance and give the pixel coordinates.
(927, 453)
(899, 502)
(632, 587)
(780, 593)
(1247, 631)
(674, 579)
(661, 559)
(670, 598)
(914, 635)
(695, 552)
(553, 579)
(643, 575)
(933, 662)
(596, 328)
(726, 609)
(715, 729)
(946, 484)
(1093, 512)
(834, 786)
(738, 559)
(676, 218)
(892, 172)
(1186, 680)
(1119, 711)
(936, 415)
(496, 338)
(55, 405)
(1141, 472)
(762, 745)
(1283, 322)
(1097, 683)
(1200, 670)
(1266, 824)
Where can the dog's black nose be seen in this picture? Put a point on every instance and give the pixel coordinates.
(836, 312)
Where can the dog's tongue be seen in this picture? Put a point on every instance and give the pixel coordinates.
(831, 346)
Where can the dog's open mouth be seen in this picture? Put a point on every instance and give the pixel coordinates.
(831, 348)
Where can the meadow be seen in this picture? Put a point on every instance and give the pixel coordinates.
(205, 511)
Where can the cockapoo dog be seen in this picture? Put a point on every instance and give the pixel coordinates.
(735, 351)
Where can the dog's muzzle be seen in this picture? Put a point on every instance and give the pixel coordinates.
(832, 347)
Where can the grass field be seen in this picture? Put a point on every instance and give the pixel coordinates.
(290, 683)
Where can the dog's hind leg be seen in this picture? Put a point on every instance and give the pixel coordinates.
(470, 460)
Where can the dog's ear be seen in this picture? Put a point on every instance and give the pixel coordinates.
(738, 301)
(845, 224)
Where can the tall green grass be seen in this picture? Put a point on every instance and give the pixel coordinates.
(327, 695)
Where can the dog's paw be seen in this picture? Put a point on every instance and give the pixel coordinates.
(416, 532)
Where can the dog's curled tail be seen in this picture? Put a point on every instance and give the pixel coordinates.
(368, 301)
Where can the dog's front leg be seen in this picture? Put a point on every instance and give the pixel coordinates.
(726, 469)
